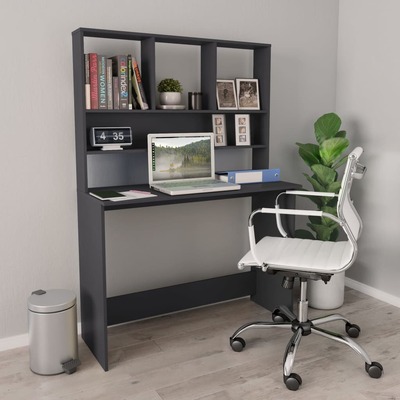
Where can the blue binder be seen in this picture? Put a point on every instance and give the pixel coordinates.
(250, 176)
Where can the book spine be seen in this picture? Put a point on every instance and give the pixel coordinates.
(129, 81)
(120, 69)
(138, 85)
(115, 92)
(102, 67)
(87, 82)
(109, 79)
(94, 78)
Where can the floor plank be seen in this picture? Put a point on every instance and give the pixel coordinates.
(186, 356)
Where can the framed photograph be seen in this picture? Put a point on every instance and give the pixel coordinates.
(226, 94)
(219, 129)
(247, 94)
(242, 129)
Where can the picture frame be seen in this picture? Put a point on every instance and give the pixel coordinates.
(248, 97)
(242, 129)
(219, 129)
(226, 94)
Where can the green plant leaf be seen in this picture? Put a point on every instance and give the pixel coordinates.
(334, 187)
(331, 149)
(303, 234)
(340, 162)
(334, 235)
(315, 184)
(315, 220)
(325, 175)
(341, 134)
(327, 221)
(326, 127)
(309, 153)
(323, 232)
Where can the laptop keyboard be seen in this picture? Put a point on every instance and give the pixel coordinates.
(193, 183)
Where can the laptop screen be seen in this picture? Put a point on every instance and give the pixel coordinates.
(177, 156)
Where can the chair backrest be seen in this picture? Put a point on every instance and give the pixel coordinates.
(345, 207)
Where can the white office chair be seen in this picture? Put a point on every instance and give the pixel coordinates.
(308, 259)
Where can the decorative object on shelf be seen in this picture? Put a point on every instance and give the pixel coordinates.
(170, 91)
(219, 129)
(195, 100)
(248, 95)
(226, 94)
(242, 129)
(109, 138)
(324, 158)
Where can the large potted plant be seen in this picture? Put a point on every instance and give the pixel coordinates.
(324, 158)
(170, 91)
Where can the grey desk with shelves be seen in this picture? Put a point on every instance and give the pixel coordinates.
(98, 311)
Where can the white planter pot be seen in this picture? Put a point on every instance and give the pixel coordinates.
(326, 296)
(170, 98)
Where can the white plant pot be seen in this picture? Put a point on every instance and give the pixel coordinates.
(170, 98)
(326, 296)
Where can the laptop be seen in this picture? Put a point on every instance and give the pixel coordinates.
(183, 163)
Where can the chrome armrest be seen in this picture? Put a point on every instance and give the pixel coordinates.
(309, 193)
(297, 193)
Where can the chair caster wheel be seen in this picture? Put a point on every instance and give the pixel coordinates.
(238, 344)
(278, 316)
(352, 330)
(293, 381)
(374, 369)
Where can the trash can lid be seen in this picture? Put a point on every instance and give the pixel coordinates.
(51, 301)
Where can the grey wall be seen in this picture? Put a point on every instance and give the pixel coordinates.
(368, 98)
(38, 227)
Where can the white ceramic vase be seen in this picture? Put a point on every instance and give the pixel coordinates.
(327, 296)
(170, 98)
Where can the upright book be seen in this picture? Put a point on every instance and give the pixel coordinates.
(138, 85)
(87, 82)
(94, 81)
(120, 70)
(102, 68)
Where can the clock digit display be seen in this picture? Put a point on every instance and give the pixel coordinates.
(110, 138)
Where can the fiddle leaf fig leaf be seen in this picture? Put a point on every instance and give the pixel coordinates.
(325, 175)
(323, 232)
(303, 234)
(309, 153)
(331, 149)
(334, 187)
(326, 127)
(340, 162)
(315, 184)
(341, 134)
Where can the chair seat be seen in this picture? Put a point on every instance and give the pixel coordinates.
(300, 254)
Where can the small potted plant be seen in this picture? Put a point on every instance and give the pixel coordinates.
(170, 91)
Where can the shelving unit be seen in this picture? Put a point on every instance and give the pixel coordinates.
(98, 311)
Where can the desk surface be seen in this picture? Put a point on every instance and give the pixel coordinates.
(246, 190)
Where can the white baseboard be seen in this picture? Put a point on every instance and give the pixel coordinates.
(13, 342)
(375, 293)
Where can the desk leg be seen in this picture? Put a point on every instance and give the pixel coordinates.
(92, 273)
(269, 292)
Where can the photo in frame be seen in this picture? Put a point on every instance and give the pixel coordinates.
(248, 94)
(226, 94)
(219, 129)
(242, 129)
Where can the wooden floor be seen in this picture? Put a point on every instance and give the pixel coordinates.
(187, 356)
